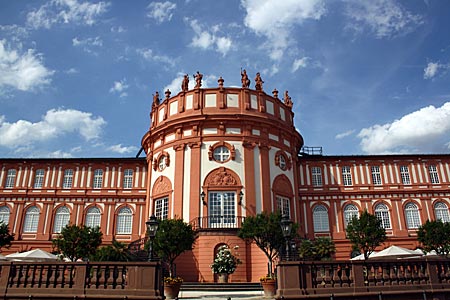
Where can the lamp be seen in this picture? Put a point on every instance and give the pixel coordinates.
(203, 198)
(286, 228)
(152, 228)
(241, 196)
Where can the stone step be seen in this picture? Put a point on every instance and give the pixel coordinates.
(197, 286)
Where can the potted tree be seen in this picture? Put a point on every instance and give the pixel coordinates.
(173, 237)
(265, 231)
(224, 263)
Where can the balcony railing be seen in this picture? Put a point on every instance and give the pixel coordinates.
(217, 222)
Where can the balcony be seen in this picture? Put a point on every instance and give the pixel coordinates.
(217, 222)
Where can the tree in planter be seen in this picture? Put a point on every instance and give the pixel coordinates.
(78, 242)
(173, 237)
(321, 248)
(6, 237)
(117, 251)
(435, 235)
(365, 233)
(265, 231)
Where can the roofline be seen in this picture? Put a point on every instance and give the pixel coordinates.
(73, 158)
(374, 155)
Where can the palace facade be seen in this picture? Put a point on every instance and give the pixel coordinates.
(213, 157)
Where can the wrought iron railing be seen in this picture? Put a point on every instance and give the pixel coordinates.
(217, 222)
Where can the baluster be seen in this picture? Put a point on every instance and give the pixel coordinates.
(423, 274)
(415, 273)
(379, 275)
(344, 277)
(401, 275)
(386, 274)
(371, 276)
(41, 275)
(408, 278)
(106, 276)
(393, 274)
(115, 276)
(335, 279)
(26, 275)
(56, 278)
(327, 278)
(318, 277)
(89, 274)
(19, 275)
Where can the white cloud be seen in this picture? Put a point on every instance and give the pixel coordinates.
(385, 18)
(22, 71)
(300, 63)
(431, 70)
(66, 11)
(72, 71)
(427, 129)
(148, 54)
(88, 44)
(122, 149)
(54, 123)
(208, 40)
(275, 19)
(161, 11)
(119, 87)
(344, 134)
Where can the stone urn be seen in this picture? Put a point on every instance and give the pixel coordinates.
(171, 290)
(269, 287)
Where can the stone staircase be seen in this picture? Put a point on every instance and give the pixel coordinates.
(223, 291)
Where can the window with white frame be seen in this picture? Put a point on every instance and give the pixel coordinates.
(128, 179)
(434, 176)
(382, 213)
(412, 216)
(93, 217)
(283, 204)
(404, 173)
(376, 175)
(68, 179)
(222, 209)
(10, 179)
(4, 214)
(316, 173)
(31, 222)
(62, 217)
(162, 208)
(38, 179)
(124, 221)
(441, 212)
(162, 162)
(320, 219)
(350, 211)
(221, 154)
(98, 179)
(346, 176)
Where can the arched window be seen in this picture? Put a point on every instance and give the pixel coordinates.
(93, 217)
(320, 219)
(124, 221)
(4, 214)
(350, 211)
(382, 213)
(30, 225)
(62, 217)
(412, 216)
(441, 212)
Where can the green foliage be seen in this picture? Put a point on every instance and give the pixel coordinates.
(78, 242)
(225, 261)
(321, 248)
(435, 235)
(6, 237)
(264, 230)
(173, 237)
(366, 233)
(116, 252)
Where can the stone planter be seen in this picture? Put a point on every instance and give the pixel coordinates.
(171, 290)
(222, 278)
(269, 288)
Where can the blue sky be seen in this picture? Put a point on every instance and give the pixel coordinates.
(366, 77)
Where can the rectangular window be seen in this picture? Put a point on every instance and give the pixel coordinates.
(434, 176)
(38, 178)
(316, 173)
(98, 179)
(68, 179)
(376, 175)
(346, 176)
(162, 208)
(222, 209)
(404, 173)
(283, 205)
(10, 179)
(128, 179)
